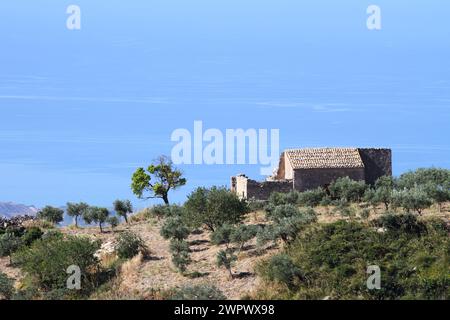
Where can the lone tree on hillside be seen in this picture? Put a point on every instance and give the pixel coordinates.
(77, 210)
(123, 208)
(51, 214)
(158, 180)
(97, 215)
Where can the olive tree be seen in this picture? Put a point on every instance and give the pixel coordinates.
(97, 215)
(214, 207)
(77, 210)
(123, 208)
(51, 214)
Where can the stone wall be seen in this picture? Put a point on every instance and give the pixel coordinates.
(307, 179)
(377, 162)
(262, 190)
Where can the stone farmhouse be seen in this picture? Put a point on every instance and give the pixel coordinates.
(310, 168)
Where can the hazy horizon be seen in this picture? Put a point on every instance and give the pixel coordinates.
(82, 109)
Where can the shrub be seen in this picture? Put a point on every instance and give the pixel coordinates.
(226, 259)
(279, 198)
(129, 245)
(47, 260)
(343, 208)
(53, 235)
(280, 268)
(6, 286)
(180, 254)
(347, 189)
(365, 214)
(173, 228)
(198, 292)
(287, 226)
(243, 234)
(312, 198)
(333, 260)
(51, 214)
(160, 211)
(264, 235)
(256, 205)
(288, 229)
(222, 235)
(281, 211)
(31, 234)
(401, 223)
(214, 207)
(143, 215)
(9, 243)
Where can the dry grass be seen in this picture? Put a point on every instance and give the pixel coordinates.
(149, 278)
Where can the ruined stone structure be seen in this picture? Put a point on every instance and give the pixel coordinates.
(310, 168)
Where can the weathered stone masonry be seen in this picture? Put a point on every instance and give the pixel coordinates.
(305, 169)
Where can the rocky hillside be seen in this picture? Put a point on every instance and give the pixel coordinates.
(10, 209)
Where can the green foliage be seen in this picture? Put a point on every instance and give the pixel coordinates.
(6, 286)
(333, 259)
(226, 259)
(113, 221)
(438, 193)
(180, 254)
(279, 198)
(53, 235)
(281, 211)
(167, 211)
(256, 205)
(424, 176)
(265, 235)
(343, 208)
(123, 208)
(403, 224)
(51, 214)
(47, 260)
(222, 235)
(311, 198)
(31, 234)
(415, 199)
(77, 210)
(97, 215)
(281, 269)
(288, 222)
(214, 207)
(158, 180)
(130, 245)
(197, 292)
(9, 243)
(382, 192)
(365, 214)
(347, 189)
(288, 229)
(173, 228)
(243, 234)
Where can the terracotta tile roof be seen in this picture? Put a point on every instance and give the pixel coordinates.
(313, 158)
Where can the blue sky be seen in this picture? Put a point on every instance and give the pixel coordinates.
(81, 110)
